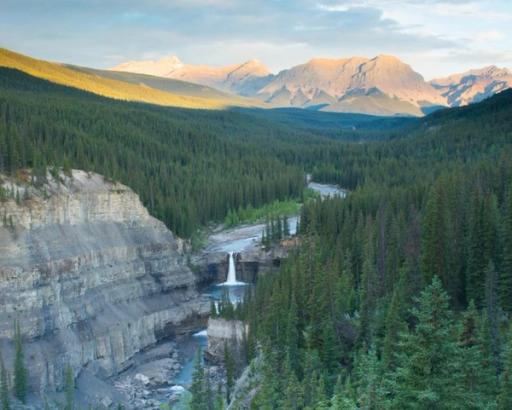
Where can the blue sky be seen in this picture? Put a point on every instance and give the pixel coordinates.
(436, 37)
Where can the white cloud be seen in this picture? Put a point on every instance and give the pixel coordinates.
(433, 36)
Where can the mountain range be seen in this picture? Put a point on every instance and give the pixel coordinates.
(383, 85)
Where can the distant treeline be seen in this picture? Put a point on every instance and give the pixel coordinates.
(189, 166)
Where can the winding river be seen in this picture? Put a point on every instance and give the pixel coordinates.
(237, 239)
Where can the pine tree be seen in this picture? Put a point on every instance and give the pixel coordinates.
(370, 388)
(20, 372)
(505, 394)
(213, 309)
(368, 292)
(286, 227)
(435, 239)
(506, 273)
(394, 324)
(492, 311)
(4, 387)
(292, 398)
(342, 399)
(69, 388)
(319, 399)
(292, 336)
(269, 393)
(428, 373)
(197, 387)
(229, 364)
(482, 246)
(479, 379)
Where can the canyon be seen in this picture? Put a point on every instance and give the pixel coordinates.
(90, 277)
(100, 286)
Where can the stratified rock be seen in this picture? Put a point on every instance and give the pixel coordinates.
(222, 333)
(89, 275)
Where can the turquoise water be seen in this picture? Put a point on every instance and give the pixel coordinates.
(188, 345)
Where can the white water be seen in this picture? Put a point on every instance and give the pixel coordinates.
(231, 279)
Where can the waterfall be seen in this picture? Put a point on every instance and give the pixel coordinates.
(231, 270)
(231, 279)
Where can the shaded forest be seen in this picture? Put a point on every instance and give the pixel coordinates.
(400, 295)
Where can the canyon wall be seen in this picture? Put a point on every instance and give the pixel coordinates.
(89, 275)
(224, 333)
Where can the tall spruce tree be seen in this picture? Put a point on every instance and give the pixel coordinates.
(394, 323)
(506, 273)
(492, 313)
(4, 386)
(370, 388)
(428, 372)
(20, 372)
(69, 388)
(505, 394)
(478, 373)
(197, 388)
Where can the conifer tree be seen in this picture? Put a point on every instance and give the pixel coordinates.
(478, 373)
(428, 373)
(370, 389)
(292, 336)
(394, 324)
(229, 364)
(197, 388)
(69, 388)
(342, 398)
(506, 273)
(368, 288)
(435, 238)
(269, 393)
(505, 394)
(4, 386)
(292, 397)
(20, 372)
(492, 313)
(286, 227)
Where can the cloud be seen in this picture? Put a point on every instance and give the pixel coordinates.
(279, 32)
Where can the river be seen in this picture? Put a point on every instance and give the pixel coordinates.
(237, 239)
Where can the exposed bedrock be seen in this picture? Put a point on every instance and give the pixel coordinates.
(224, 333)
(212, 267)
(90, 276)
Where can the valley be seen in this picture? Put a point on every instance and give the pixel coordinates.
(136, 231)
(115, 300)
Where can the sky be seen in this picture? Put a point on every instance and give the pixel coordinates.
(436, 37)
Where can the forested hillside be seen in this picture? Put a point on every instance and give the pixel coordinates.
(144, 88)
(400, 295)
(189, 166)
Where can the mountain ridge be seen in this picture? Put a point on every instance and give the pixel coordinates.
(173, 93)
(346, 84)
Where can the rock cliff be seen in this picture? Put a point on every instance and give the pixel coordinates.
(89, 275)
(222, 333)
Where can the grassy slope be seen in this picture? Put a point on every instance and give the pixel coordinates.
(110, 87)
(171, 85)
(381, 105)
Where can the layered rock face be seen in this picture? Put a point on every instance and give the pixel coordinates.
(222, 333)
(212, 267)
(90, 276)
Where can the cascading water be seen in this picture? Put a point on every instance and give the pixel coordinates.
(231, 270)
(231, 279)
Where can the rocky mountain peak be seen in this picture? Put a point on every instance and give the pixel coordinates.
(323, 81)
